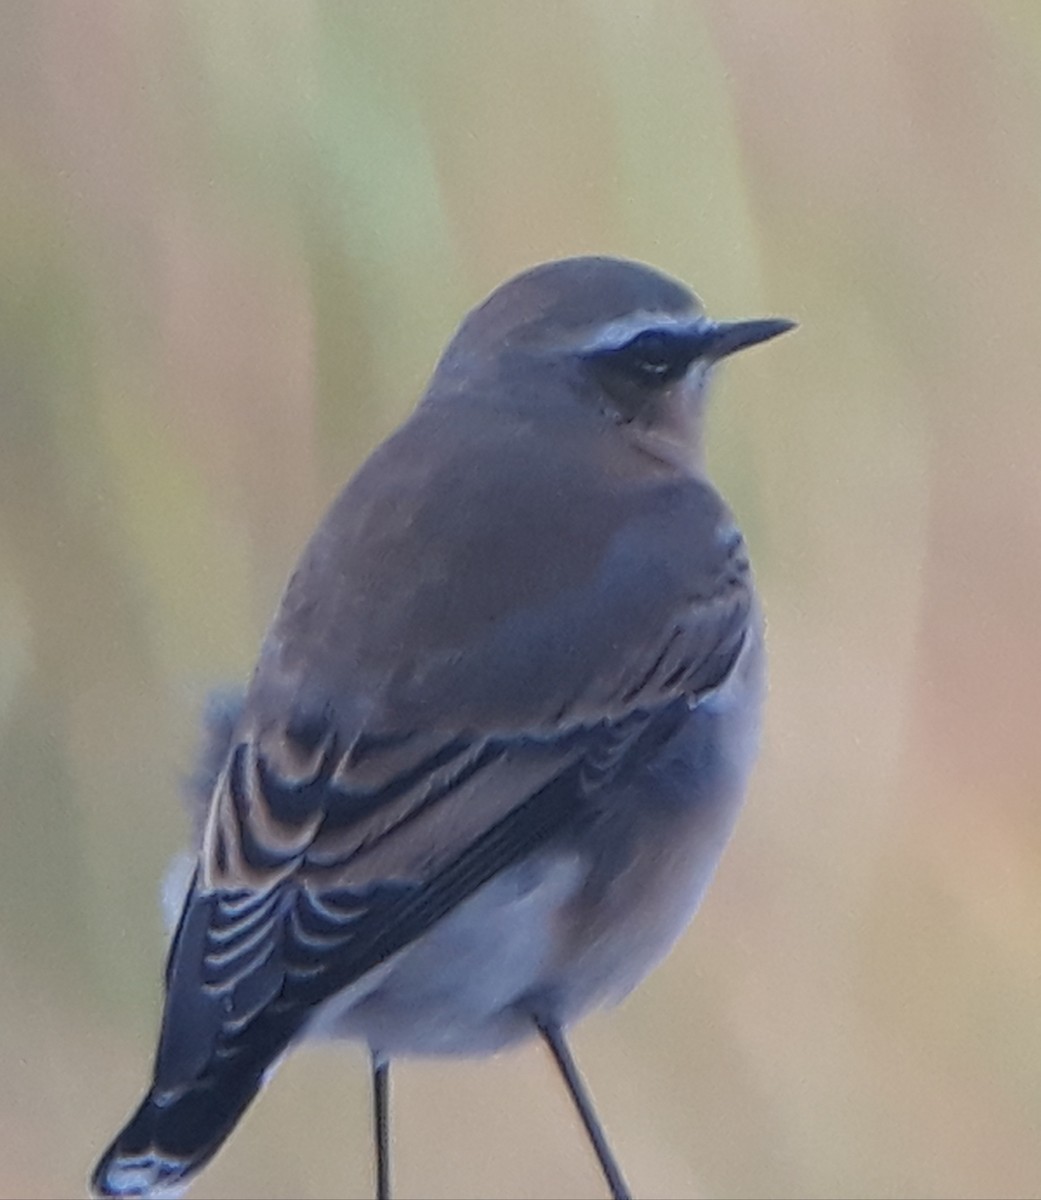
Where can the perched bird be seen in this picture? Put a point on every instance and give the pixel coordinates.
(499, 730)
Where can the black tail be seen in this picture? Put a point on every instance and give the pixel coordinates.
(215, 1049)
(169, 1139)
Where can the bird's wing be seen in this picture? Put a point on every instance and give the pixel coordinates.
(333, 843)
(322, 860)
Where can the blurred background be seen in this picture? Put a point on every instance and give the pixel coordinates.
(233, 239)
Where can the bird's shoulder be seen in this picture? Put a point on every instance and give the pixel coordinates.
(487, 566)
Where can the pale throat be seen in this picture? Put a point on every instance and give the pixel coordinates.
(675, 430)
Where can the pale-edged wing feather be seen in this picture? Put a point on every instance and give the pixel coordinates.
(322, 861)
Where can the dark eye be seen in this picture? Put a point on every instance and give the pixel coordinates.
(652, 357)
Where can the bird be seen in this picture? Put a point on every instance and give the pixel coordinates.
(498, 732)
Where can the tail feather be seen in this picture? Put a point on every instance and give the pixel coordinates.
(168, 1140)
(215, 1049)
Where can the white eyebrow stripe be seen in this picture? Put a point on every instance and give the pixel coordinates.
(616, 334)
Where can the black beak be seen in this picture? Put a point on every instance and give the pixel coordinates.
(727, 337)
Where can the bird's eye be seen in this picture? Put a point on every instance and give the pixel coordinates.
(652, 357)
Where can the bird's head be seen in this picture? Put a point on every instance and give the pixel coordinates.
(617, 335)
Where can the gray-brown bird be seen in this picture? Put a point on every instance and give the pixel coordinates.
(499, 730)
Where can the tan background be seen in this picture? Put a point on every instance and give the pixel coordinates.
(233, 237)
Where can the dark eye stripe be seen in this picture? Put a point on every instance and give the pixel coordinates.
(655, 356)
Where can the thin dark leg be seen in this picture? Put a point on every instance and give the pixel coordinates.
(553, 1036)
(381, 1123)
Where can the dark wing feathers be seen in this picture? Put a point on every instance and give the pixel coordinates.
(330, 894)
(325, 856)
(306, 936)
(322, 859)
(225, 1024)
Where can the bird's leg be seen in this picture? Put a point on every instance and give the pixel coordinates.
(553, 1036)
(381, 1123)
